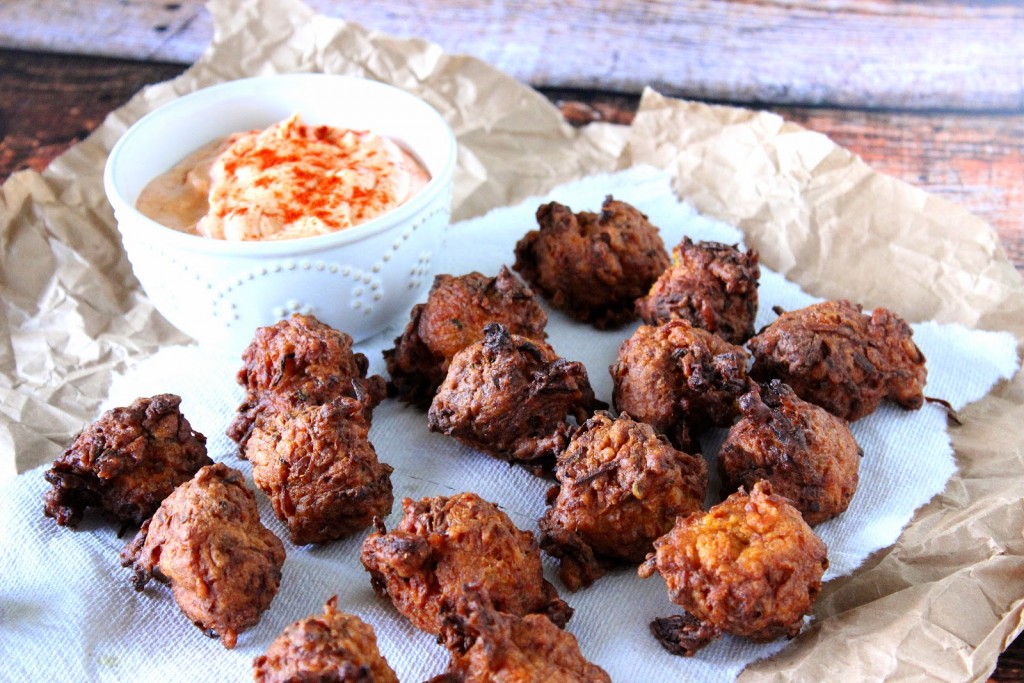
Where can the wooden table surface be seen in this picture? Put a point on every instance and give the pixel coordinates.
(930, 92)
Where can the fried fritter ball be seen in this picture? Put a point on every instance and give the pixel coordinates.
(488, 646)
(511, 396)
(300, 361)
(711, 285)
(750, 567)
(207, 543)
(452, 318)
(808, 454)
(333, 646)
(592, 266)
(126, 462)
(444, 543)
(621, 486)
(680, 379)
(834, 355)
(320, 470)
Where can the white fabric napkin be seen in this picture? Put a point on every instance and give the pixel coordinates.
(68, 610)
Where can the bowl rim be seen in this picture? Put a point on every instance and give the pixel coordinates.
(439, 182)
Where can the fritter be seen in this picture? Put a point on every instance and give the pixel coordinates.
(207, 543)
(452, 318)
(126, 462)
(320, 470)
(834, 355)
(679, 379)
(443, 544)
(808, 454)
(300, 361)
(333, 646)
(621, 486)
(592, 266)
(750, 567)
(488, 646)
(511, 397)
(710, 285)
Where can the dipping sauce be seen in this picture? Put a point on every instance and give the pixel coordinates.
(288, 181)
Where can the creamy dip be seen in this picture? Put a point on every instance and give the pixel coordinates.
(290, 180)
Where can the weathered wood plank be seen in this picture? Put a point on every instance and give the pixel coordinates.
(49, 102)
(850, 53)
(974, 160)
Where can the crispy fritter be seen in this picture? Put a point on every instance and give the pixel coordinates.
(680, 379)
(300, 361)
(750, 567)
(441, 545)
(126, 462)
(622, 485)
(333, 647)
(511, 397)
(488, 646)
(835, 356)
(320, 470)
(207, 543)
(452, 318)
(592, 266)
(808, 454)
(711, 285)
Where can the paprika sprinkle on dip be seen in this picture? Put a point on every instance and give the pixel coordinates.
(290, 180)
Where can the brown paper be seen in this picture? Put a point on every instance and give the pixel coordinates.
(942, 602)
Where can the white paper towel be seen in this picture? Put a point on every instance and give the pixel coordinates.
(68, 610)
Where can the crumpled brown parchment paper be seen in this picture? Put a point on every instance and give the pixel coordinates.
(941, 603)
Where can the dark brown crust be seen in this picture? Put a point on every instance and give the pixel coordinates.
(592, 266)
(621, 486)
(126, 462)
(443, 544)
(837, 357)
(680, 379)
(207, 543)
(512, 397)
(331, 647)
(809, 455)
(711, 285)
(320, 471)
(298, 362)
(488, 646)
(683, 634)
(452, 318)
(765, 595)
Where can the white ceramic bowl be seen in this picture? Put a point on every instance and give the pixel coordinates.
(356, 280)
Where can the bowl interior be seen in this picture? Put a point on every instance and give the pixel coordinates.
(165, 136)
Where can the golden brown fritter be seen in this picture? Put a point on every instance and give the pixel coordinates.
(452, 318)
(592, 266)
(621, 486)
(488, 646)
(750, 567)
(441, 545)
(807, 454)
(320, 470)
(680, 379)
(333, 647)
(300, 361)
(207, 543)
(126, 462)
(711, 285)
(511, 397)
(834, 355)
